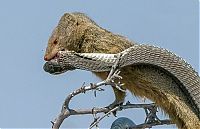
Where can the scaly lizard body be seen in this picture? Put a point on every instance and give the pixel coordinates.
(76, 32)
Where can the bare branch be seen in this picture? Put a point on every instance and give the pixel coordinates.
(151, 124)
(66, 111)
(151, 109)
(95, 123)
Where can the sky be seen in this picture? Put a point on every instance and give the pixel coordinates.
(31, 98)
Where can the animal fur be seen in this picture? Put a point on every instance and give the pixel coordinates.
(77, 32)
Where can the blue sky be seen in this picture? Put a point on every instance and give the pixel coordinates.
(31, 98)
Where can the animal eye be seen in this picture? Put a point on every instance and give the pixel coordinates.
(55, 42)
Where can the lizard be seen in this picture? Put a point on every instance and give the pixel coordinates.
(77, 32)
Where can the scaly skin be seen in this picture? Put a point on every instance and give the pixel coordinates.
(76, 32)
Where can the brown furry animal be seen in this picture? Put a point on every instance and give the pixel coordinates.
(77, 32)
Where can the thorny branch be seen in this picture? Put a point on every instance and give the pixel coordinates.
(150, 109)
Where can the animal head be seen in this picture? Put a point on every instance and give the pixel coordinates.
(68, 35)
(60, 36)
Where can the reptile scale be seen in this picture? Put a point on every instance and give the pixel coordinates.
(148, 71)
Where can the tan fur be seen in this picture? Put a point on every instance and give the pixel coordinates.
(77, 32)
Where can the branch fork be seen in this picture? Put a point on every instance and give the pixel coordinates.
(150, 109)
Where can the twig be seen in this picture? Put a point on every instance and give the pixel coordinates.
(66, 111)
(99, 119)
(151, 124)
(151, 119)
